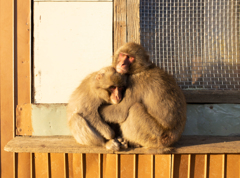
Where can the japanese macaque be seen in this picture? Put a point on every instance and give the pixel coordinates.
(153, 107)
(86, 125)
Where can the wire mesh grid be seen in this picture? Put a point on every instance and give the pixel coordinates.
(197, 41)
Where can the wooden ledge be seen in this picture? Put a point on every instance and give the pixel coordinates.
(66, 144)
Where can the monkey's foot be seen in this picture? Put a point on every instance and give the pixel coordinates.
(123, 143)
(134, 145)
(113, 145)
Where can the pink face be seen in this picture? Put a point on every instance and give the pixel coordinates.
(124, 62)
(116, 94)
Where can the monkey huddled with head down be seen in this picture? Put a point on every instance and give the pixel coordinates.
(152, 113)
(102, 87)
(153, 109)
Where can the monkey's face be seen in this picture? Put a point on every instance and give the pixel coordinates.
(111, 84)
(124, 62)
(116, 94)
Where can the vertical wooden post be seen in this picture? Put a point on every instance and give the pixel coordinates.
(133, 21)
(22, 55)
(7, 85)
(120, 23)
(126, 22)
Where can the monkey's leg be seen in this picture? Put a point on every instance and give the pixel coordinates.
(84, 133)
(141, 128)
(101, 126)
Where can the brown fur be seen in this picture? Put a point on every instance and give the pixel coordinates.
(84, 121)
(154, 106)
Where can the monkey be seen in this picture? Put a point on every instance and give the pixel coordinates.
(153, 107)
(102, 87)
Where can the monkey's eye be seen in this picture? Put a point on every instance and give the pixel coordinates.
(122, 55)
(121, 88)
(112, 88)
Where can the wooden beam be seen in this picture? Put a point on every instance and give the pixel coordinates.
(210, 96)
(7, 85)
(133, 21)
(67, 144)
(22, 56)
(24, 119)
(120, 23)
(126, 22)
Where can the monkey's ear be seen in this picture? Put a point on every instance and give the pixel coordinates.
(99, 76)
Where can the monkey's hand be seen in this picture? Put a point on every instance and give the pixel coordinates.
(112, 113)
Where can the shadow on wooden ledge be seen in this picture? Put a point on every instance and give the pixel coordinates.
(67, 144)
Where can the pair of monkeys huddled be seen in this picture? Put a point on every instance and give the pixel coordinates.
(151, 114)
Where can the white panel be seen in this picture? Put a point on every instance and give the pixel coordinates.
(71, 40)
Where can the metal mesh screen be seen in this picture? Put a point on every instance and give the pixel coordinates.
(197, 41)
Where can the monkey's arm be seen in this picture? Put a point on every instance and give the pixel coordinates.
(115, 113)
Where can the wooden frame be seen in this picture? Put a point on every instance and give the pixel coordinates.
(15, 89)
(215, 97)
(15, 78)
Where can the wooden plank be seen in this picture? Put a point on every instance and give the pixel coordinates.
(7, 85)
(162, 166)
(126, 22)
(76, 165)
(55, 144)
(23, 72)
(67, 144)
(92, 166)
(24, 164)
(133, 21)
(144, 166)
(120, 23)
(127, 166)
(23, 52)
(110, 164)
(197, 166)
(41, 165)
(24, 119)
(215, 166)
(209, 96)
(57, 165)
(233, 165)
(180, 166)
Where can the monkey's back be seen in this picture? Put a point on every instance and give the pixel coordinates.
(157, 89)
(83, 99)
